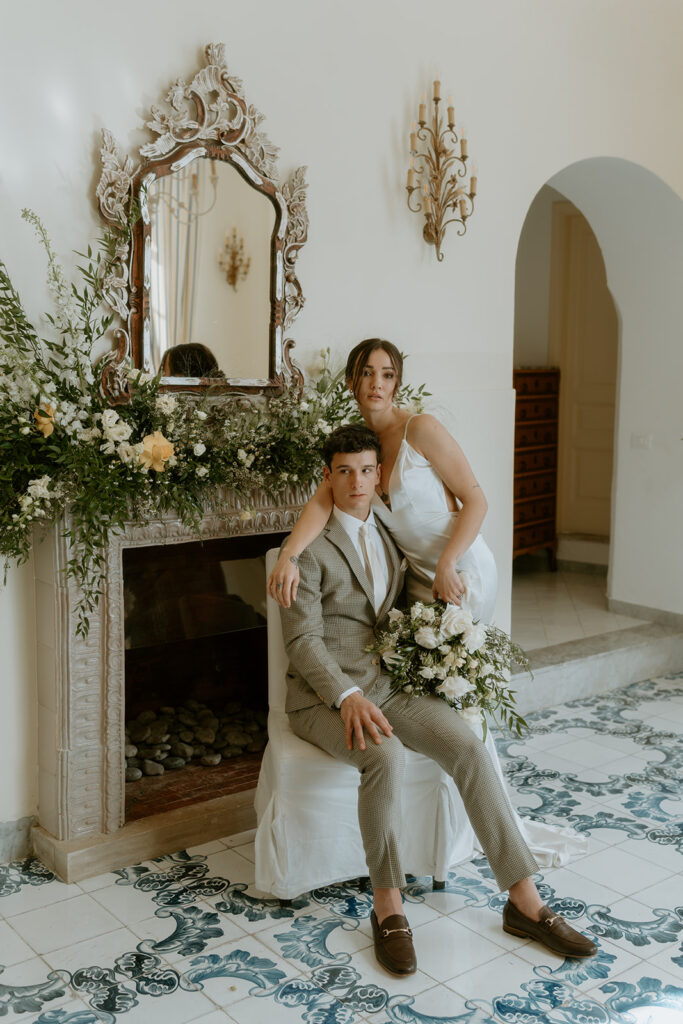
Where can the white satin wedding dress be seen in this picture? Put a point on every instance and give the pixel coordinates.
(421, 523)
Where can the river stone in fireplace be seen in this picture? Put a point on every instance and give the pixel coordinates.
(172, 737)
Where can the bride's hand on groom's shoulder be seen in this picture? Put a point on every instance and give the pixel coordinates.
(447, 583)
(283, 581)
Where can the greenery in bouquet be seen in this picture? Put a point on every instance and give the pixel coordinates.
(63, 447)
(438, 648)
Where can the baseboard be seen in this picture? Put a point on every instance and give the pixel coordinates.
(15, 839)
(586, 568)
(642, 611)
(167, 832)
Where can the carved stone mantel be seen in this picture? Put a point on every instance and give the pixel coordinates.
(81, 681)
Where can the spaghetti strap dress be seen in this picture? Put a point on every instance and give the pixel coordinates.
(420, 521)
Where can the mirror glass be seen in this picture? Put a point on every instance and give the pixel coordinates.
(208, 270)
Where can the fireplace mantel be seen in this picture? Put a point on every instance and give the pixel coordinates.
(81, 681)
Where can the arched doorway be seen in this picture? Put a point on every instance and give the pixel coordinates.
(635, 224)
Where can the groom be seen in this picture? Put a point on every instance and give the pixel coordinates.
(340, 699)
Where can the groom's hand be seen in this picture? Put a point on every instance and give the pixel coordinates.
(359, 713)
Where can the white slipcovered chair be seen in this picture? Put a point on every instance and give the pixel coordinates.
(306, 804)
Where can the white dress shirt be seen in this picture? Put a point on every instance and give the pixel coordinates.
(351, 526)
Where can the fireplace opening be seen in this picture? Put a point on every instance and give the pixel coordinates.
(196, 683)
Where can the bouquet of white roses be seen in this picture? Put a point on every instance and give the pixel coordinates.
(438, 648)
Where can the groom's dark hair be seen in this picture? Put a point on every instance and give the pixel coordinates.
(354, 437)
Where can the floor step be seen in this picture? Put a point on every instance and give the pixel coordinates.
(596, 664)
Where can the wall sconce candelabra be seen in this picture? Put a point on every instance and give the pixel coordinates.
(232, 260)
(435, 186)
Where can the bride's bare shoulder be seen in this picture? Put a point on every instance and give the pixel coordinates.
(426, 429)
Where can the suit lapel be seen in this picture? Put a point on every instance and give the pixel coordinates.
(340, 538)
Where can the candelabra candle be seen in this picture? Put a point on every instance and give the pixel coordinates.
(437, 173)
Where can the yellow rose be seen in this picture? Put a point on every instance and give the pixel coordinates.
(45, 419)
(155, 452)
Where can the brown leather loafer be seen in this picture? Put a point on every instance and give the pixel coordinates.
(552, 930)
(394, 944)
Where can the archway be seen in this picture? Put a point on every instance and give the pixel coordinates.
(638, 223)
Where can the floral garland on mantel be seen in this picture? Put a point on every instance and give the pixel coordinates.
(62, 446)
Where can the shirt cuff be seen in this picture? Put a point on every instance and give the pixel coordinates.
(346, 693)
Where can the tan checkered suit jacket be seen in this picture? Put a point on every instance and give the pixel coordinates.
(327, 651)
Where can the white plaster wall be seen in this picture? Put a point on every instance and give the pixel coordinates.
(532, 282)
(638, 221)
(539, 86)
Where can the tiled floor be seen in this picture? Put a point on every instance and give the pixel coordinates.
(186, 938)
(554, 607)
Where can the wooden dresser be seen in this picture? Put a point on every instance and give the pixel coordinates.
(536, 413)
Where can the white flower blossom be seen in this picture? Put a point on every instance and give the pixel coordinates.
(455, 620)
(165, 404)
(324, 427)
(426, 672)
(201, 471)
(39, 488)
(199, 448)
(126, 452)
(200, 414)
(454, 687)
(395, 615)
(416, 610)
(428, 615)
(304, 406)
(427, 637)
(475, 637)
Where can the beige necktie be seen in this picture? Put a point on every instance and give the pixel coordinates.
(373, 565)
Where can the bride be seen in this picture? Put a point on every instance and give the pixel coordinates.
(431, 503)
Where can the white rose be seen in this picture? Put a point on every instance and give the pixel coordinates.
(199, 448)
(425, 636)
(474, 637)
(201, 471)
(428, 614)
(427, 672)
(454, 687)
(455, 620)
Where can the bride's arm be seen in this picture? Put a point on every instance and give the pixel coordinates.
(283, 581)
(431, 439)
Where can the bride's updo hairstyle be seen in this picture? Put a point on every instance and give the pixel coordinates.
(359, 355)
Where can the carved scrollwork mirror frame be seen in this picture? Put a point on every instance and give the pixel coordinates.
(207, 117)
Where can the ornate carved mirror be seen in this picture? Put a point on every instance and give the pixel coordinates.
(205, 285)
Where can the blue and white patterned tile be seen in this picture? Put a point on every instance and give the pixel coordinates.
(75, 919)
(644, 994)
(27, 987)
(187, 937)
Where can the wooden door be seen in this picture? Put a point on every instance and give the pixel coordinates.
(584, 344)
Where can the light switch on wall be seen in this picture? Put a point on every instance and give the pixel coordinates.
(641, 441)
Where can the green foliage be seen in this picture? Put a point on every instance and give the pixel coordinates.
(63, 448)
